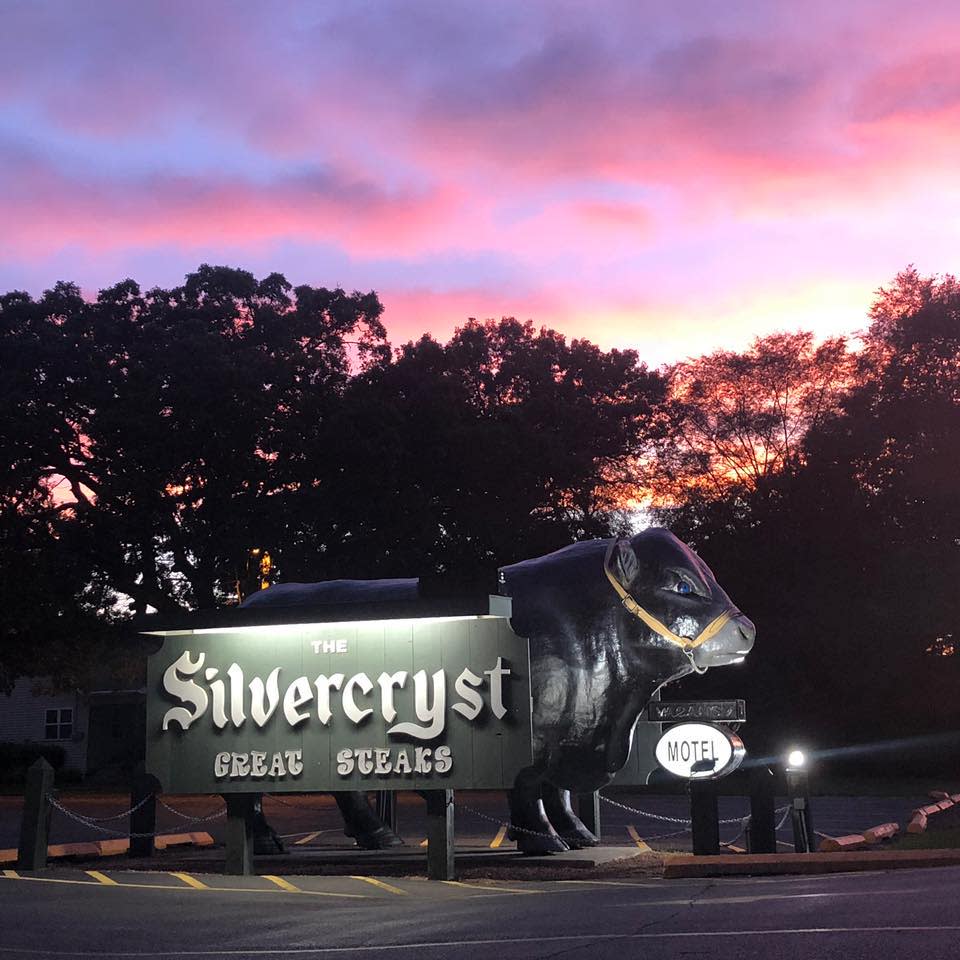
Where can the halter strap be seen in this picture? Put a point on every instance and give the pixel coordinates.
(685, 643)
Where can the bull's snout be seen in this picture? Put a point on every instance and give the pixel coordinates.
(730, 645)
(747, 631)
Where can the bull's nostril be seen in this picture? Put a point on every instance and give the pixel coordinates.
(747, 630)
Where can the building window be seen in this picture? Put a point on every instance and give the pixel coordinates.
(59, 724)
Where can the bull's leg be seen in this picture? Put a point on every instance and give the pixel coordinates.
(529, 825)
(572, 831)
(265, 838)
(361, 823)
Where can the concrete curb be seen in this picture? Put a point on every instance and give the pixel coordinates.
(112, 848)
(683, 866)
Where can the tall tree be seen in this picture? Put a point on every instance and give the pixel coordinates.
(733, 421)
(154, 428)
(505, 442)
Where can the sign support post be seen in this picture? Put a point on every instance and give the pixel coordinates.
(705, 817)
(240, 814)
(761, 834)
(440, 840)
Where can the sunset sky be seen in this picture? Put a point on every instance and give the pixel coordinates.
(673, 177)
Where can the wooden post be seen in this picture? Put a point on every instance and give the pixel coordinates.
(705, 817)
(239, 860)
(588, 810)
(762, 834)
(143, 820)
(35, 819)
(440, 842)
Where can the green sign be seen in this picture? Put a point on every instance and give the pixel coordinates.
(416, 704)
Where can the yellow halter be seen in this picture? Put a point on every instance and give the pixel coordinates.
(685, 643)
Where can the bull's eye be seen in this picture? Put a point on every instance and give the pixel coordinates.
(683, 584)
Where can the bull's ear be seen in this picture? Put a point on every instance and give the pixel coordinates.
(626, 564)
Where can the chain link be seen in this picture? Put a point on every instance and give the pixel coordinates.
(645, 813)
(188, 819)
(117, 816)
(93, 825)
(504, 823)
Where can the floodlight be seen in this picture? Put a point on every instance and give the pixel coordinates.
(796, 759)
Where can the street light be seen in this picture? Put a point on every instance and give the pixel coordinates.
(796, 759)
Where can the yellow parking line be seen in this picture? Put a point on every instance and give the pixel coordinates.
(637, 839)
(499, 838)
(101, 878)
(283, 884)
(190, 881)
(307, 838)
(13, 875)
(389, 887)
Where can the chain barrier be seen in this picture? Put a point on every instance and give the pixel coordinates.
(188, 819)
(652, 816)
(116, 816)
(94, 823)
(503, 823)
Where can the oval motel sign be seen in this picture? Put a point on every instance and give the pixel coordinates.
(699, 751)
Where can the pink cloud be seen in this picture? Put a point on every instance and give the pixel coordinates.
(47, 209)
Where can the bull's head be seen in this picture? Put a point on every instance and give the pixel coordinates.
(609, 623)
(664, 584)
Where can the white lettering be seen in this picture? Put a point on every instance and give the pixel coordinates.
(432, 712)
(221, 764)
(329, 646)
(350, 708)
(496, 676)
(473, 701)
(324, 685)
(442, 760)
(344, 762)
(387, 682)
(186, 691)
(260, 713)
(294, 761)
(235, 674)
(296, 695)
(240, 766)
(421, 761)
(403, 763)
(364, 761)
(381, 760)
(219, 699)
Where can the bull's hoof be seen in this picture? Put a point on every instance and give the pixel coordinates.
(380, 839)
(267, 844)
(579, 840)
(536, 843)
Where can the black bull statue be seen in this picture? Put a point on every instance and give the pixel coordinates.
(609, 622)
